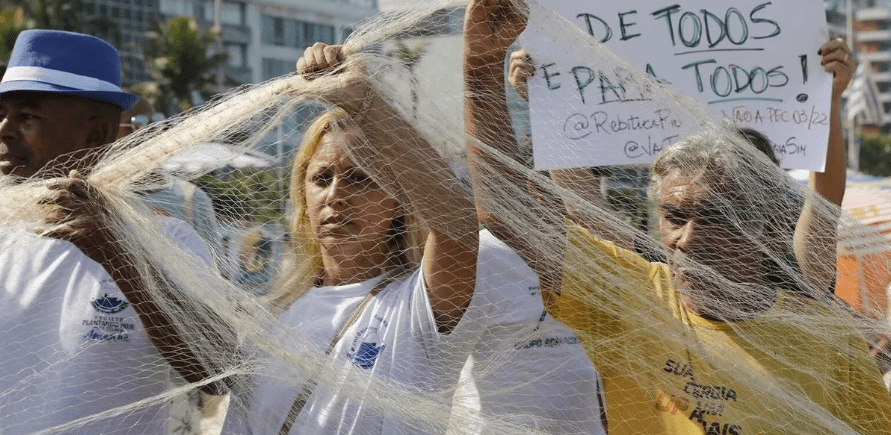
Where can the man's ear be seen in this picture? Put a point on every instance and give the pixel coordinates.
(101, 131)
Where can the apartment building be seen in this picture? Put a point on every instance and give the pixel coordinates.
(263, 38)
(872, 42)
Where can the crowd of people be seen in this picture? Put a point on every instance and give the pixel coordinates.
(398, 270)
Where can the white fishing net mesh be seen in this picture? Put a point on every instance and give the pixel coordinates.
(589, 336)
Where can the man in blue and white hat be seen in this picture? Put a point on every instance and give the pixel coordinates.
(60, 96)
(81, 336)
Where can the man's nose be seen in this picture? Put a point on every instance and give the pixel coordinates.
(7, 130)
(685, 236)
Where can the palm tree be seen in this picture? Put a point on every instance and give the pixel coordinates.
(177, 57)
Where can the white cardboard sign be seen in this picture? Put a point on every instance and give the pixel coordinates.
(754, 62)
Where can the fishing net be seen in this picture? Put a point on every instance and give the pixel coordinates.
(505, 299)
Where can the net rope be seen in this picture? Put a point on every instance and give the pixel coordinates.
(567, 332)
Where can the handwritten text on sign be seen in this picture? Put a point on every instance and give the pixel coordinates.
(753, 62)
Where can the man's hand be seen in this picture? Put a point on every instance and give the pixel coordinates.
(519, 72)
(80, 216)
(836, 58)
(490, 27)
(337, 79)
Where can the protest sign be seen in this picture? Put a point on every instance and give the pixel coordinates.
(752, 62)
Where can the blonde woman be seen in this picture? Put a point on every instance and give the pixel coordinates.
(354, 235)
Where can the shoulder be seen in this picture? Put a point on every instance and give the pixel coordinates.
(36, 269)
(25, 251)
(590, 258)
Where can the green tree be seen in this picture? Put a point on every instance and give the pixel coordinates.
(177, 56)
(246, 193)
(71, 15)
(875, 155)
(68, 15)
(12, 22)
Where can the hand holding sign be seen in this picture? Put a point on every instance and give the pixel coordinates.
(519, 71)
(838, 60)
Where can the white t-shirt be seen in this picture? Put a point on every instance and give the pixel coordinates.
(526, 368)
(394, 339)
(72, 344)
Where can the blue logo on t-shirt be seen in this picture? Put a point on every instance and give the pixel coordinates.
(367, 354)
(109, 305)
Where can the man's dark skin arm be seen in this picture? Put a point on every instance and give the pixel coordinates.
(81, 217)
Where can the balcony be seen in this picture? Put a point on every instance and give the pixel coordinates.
(873, 36)
(872, 14)
(881, 77)
(362, 3)
(877, 56)
(240, 74)
(236, 34)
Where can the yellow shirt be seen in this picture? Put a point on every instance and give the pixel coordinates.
(798, 368)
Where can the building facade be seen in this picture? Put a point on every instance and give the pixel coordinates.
(263, 38)
(872, 39)
(134, 19)
(872, 43)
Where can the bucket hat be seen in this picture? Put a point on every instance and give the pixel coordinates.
(66, 63)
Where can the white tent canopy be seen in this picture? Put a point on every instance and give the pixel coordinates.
(208, 156)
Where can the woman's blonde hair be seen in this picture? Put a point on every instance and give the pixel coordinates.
(302, 265)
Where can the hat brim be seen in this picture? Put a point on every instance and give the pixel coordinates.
(121, 99)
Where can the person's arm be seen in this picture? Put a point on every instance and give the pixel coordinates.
(816, 232)
(490, 27)
(837, 59)
(400, 160)
(82, 217)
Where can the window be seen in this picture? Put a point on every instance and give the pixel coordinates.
(232, 13)
(345, 33)
(278, 31)
(276, 67)
(237, 55)
(313, 32)
(291, 32)
(295, 33)
(199, 9)
(267, 29)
